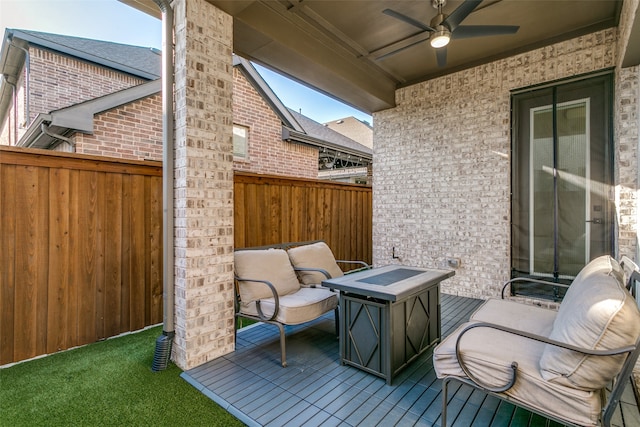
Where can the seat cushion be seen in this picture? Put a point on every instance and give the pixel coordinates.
(488, 354)
(272, 265)
(315, 255)
(302, 306)
(596, 313)
(516, 315)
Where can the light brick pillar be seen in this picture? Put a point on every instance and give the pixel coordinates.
(627, 126)
(203, 183)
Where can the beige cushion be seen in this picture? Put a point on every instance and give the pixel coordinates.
(315, 255)
(272, 265)
(596, 313)
(516, 315)
(488, 353)
(299, 307)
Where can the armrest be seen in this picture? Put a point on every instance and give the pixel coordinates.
(273, 291)
(325, 272)
(514, 364)
(632, 272)
(530, 280)
(364, 265)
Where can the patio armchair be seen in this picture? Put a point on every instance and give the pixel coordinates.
(268, 290)
(559, 364)
(315, 262)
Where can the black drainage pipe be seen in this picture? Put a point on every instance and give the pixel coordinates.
(163, 351)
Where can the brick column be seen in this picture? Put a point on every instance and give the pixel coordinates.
(627, 127)
(203, 183)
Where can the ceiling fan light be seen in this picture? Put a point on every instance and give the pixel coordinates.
(440, 38)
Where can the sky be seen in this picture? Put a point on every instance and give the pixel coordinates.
(110, 20)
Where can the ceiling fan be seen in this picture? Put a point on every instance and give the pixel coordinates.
(444, 28)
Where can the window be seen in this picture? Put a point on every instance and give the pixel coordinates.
(240, 141)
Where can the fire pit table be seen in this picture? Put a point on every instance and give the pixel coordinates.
(388, 316)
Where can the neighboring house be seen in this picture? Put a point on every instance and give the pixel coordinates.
(93, 97)
(285, 142)
(358, 130)
(341, 158)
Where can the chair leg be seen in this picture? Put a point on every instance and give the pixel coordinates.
(445, 384)
(235, 331)
(337, 314)
(283, 351)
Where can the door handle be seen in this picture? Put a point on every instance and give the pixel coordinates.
(595, 220)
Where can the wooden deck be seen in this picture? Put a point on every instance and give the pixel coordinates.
(315, 389)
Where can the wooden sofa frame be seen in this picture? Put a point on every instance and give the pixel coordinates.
(271, 319)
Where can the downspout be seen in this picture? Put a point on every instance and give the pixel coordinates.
(164, 342)
(27, 78)
(45, 129)
(15, 112)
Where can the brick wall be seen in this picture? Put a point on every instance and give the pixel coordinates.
(132, 131)
(267, 152)
(58, 81)
(447, 145)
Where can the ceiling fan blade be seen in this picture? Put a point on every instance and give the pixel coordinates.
(458, 15)
(441, 56)
(407, 19)
(486, 4)
(468, 31)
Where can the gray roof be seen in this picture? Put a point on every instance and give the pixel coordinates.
(323, 133)
(143, 62)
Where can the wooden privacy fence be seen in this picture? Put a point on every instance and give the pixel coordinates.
(81, 241)
(81, 255)
(269, 209)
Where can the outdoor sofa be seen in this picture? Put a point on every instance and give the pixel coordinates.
(281, 284)
(555, 363)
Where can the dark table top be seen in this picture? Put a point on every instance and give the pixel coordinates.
(390, 283)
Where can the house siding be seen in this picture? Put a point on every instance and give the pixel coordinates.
(132, 131)
(58, 81)
(267, 152)
(447, 145)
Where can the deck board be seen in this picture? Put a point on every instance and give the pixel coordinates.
(316, 390)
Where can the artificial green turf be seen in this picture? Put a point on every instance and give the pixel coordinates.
(109, 383)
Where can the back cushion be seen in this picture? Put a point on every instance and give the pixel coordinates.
(272, 265)
(597, 313)
(315, 255)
